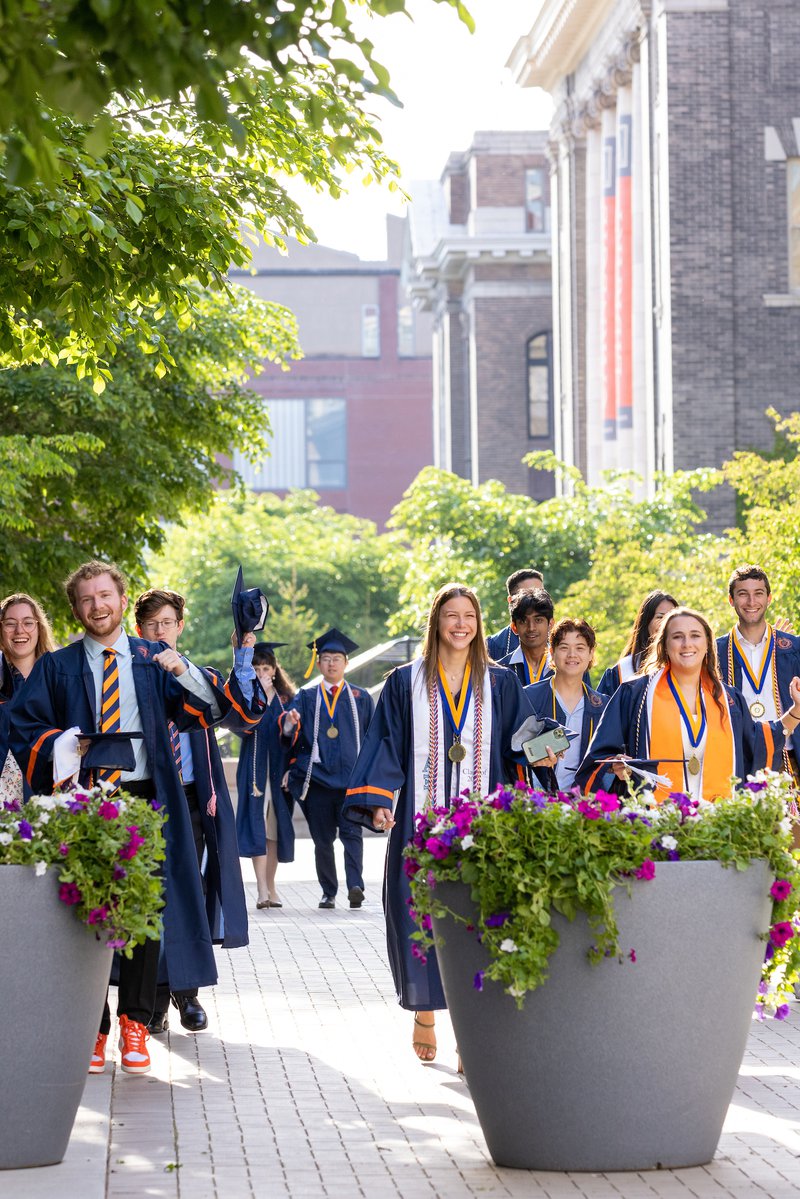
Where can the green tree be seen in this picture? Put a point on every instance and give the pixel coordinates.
(85, 476)
(314, 564)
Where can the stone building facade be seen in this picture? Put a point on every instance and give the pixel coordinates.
(675, 159)
(478, 260)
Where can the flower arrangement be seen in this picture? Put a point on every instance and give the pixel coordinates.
(526, 855)
(106, 852)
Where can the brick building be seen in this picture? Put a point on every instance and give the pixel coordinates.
(479, 262)
(352, 419)
(675, 154)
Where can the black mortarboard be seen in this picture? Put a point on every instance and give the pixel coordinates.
(268, 646)
(250, 608)
(334, 642)
(109, 751)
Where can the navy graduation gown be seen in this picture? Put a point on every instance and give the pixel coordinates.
(520, 669)
(386, 765)
(612, 677)
(541, 696)
(337, 754)
(11, 682)
(787, 664)
(501, 644)
(59, 694)
(262, 756)
(624, 729)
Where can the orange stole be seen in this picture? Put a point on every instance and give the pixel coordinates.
(666, 741)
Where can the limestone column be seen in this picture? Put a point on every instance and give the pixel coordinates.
(608, 288)
(594, 324)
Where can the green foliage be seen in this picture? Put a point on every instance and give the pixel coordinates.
(318, 567)
(106, 854)
(445, 528)
(527, 856)
(86, 476)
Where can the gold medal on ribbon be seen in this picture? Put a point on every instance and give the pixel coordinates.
(332, 732)
(457, 752)
(694, 764)
(757, 709)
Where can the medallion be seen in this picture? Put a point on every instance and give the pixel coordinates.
(332, 732)
(694, 764)
(457, 752)
(757, 709)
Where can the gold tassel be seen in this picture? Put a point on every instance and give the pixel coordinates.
(310, 670)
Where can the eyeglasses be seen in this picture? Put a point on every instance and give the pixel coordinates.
(27, 625)
(159, 624)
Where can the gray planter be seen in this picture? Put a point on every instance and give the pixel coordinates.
(616, 1066)
(52, 988)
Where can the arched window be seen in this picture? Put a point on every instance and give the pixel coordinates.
(539, 387)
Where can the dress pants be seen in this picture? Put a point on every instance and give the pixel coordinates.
(190, 791)
(323, 810)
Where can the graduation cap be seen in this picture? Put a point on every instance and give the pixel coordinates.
(332, 642)
(268, 647)
(250, 608)
(109, 751)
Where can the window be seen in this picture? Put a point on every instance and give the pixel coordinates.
(535, 208)
(793, 200)
(406, 341)
(370, 331)
(539, 401)
(308, 447)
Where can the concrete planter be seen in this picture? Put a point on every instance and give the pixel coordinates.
(52, 988)
(616, 1066)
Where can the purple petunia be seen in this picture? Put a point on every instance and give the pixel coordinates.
(69, 893)
(437, 848)
(108, 810)
(756, 787)
(97, 915)
(782, 1012)
(781, 889)
(477, 981)
(120, 872)
(780, 933)
(589, 810)
(135, 841)
(647, 870)
(25, 830)
(63, 849)
(497, 920)
(417, 953)
(12, 805)
(607, 801)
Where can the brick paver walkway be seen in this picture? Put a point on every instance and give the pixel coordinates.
(305, 1086)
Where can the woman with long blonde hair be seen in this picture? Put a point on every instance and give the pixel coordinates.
(696, 731)
(443, 725)
(25, 635)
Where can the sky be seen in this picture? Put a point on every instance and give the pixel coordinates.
(452, 83)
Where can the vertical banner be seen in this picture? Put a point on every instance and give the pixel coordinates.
(609, 287)
(624, 272)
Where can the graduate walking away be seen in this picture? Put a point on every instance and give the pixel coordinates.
(679, 721)
(264, 825)
(443, 725)
(324, 727)
(109, 682)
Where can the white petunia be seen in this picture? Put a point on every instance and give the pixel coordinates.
(43, 818)
(508, 946)
(785, 825)
(669, 843)
(468, 841)
(41, 868)
(5, 838)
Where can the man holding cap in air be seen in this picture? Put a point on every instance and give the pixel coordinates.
(325, 726)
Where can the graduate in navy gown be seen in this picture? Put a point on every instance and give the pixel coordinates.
(154, 685)
(325, 726)
(500, 645)
(758, 658)
(453, 698)
(652, 611)
(693, 730)
(25, 635)
(566, 699)
(531, 620)
(264, 825)
(160, 616)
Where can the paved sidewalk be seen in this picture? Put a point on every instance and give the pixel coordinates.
(305, 1086)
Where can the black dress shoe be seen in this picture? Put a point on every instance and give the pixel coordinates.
(193, 1017)
(158, 1023)
(327, 901)
(356, 897)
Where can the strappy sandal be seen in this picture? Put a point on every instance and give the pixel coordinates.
(429, 1050)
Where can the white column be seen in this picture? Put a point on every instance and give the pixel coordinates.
(643, 359)
(608, 290)
(594, 255)
(623, 277)
(566, 382)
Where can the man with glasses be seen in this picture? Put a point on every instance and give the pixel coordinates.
(159, 616)
(325, 725)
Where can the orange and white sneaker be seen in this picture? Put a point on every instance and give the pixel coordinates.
(98, 1063)
(133, 1039)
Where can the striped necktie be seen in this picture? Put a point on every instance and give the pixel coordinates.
(110, 710)
(175, 746)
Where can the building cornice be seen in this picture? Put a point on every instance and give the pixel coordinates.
(453, 256)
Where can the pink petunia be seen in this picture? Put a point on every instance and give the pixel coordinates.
(781, 889)
(647, 870)
(780, 933)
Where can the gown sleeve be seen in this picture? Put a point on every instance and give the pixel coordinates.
(611, 737)
(380, 768)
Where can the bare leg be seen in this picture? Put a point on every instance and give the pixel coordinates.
(260, 870)
(424, 1036)
(271, 870)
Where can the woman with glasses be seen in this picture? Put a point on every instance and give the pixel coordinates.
(25, 635)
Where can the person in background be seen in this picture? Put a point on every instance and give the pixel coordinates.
(443, 725)
(652, 611)
(325, 728)
(264, 827)
(531, 620)
(500, 645)
(25, 635)
(160, 616)
(566, 698)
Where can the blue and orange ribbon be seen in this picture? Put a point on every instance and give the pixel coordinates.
(757, 684)
(695, 725)
(456, 712)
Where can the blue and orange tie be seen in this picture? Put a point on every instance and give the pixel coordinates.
(110, 710)
(175, 745)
